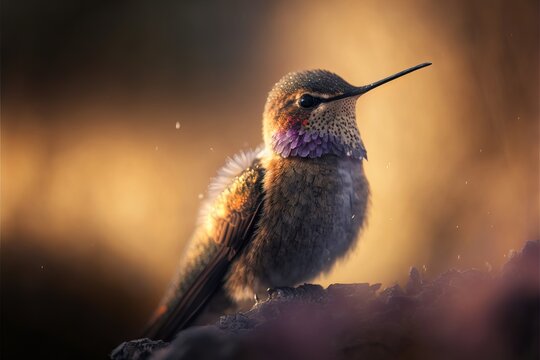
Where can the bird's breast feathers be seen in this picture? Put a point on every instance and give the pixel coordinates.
(312, 212)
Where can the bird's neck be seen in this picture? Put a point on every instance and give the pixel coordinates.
(312, 144)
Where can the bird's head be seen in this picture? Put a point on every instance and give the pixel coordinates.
(312, 113)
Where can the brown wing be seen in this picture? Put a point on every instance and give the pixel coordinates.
(233, 219)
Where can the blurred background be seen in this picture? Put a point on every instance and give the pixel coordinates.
(115, 115)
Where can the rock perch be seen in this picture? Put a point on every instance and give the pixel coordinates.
(461, 314)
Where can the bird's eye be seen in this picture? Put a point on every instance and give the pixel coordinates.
(307, 101)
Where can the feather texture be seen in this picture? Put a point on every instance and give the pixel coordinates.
(229, 220)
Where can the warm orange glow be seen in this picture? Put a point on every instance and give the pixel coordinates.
(97, 173)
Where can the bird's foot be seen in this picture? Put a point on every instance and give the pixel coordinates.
(280, 292)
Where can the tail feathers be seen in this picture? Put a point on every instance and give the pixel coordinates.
(169, 320)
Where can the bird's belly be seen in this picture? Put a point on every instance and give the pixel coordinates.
(309, 232)
(311, 218)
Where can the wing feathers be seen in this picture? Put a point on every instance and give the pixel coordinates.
(233, 229)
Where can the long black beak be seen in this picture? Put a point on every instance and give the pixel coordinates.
(364, 89)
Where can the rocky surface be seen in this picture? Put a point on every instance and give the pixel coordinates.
(461, 314)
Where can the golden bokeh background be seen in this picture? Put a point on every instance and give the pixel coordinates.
(115, 115)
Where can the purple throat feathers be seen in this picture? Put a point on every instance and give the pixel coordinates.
(311, 144)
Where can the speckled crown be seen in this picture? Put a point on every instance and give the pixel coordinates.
(314, 81)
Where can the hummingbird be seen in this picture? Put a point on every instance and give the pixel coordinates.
(282, 214)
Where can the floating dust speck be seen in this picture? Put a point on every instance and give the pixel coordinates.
(353, 215)
(200, 196)
(458, 257)
(466, 182)
(156, 148)
(177, 125)
(457, 227)
(211, 149)
(488, 266)
(42, 267)
(424, 268)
